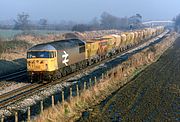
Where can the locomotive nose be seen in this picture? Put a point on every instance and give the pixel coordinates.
(38, 65)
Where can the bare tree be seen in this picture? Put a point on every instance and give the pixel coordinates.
(109, 21)
(95, 24)
(43, 23)
(22, 22)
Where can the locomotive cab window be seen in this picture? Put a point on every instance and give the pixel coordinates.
(51, 55)
(40, 54)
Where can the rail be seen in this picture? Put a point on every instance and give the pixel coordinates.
(14, 75)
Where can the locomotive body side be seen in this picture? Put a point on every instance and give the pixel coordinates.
(69, 52)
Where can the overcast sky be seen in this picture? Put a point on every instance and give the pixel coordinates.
(85, 10)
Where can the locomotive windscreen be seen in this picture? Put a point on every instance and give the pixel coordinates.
(40, 54)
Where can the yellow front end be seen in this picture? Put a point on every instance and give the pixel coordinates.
(42, 64)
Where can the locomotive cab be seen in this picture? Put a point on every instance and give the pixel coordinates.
(41, 62)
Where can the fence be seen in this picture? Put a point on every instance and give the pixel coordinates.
(65, 95)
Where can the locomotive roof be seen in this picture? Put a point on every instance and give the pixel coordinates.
(59, 45)
(42, 47)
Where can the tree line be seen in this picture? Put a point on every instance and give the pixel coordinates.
(106, 21)
(109, 21)
(23, 22)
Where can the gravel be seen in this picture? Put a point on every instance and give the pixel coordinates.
(7, 86)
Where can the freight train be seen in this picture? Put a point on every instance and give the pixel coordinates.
(53, 60)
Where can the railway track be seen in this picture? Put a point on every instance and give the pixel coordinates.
(12, 96)
(26, 91)
(14, 75)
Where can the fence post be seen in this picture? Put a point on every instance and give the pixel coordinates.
(29, 114)
(84, 85)
(90, 82)
(102, 76)
(113, 72)
(41, 106)
(107, 74)
(2, 118)
(95, 80)
(52, 99)
(16, 116)
(70, 93)
(62, 96)
(77, 90)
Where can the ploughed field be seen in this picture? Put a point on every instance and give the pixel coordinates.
(154, 95)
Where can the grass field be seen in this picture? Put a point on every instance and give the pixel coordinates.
(8, 34)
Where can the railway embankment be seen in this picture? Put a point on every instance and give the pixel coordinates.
(8, 67)
(116, 79)
(151, 96)
(12, 57)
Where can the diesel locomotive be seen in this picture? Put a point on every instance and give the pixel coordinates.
(53, 60)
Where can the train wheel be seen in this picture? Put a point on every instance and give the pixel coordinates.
(59, 75)
(89, 63)
(54, 78)
(64, 73)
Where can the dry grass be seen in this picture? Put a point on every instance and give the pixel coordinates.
(117, 77)
(14, 49)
